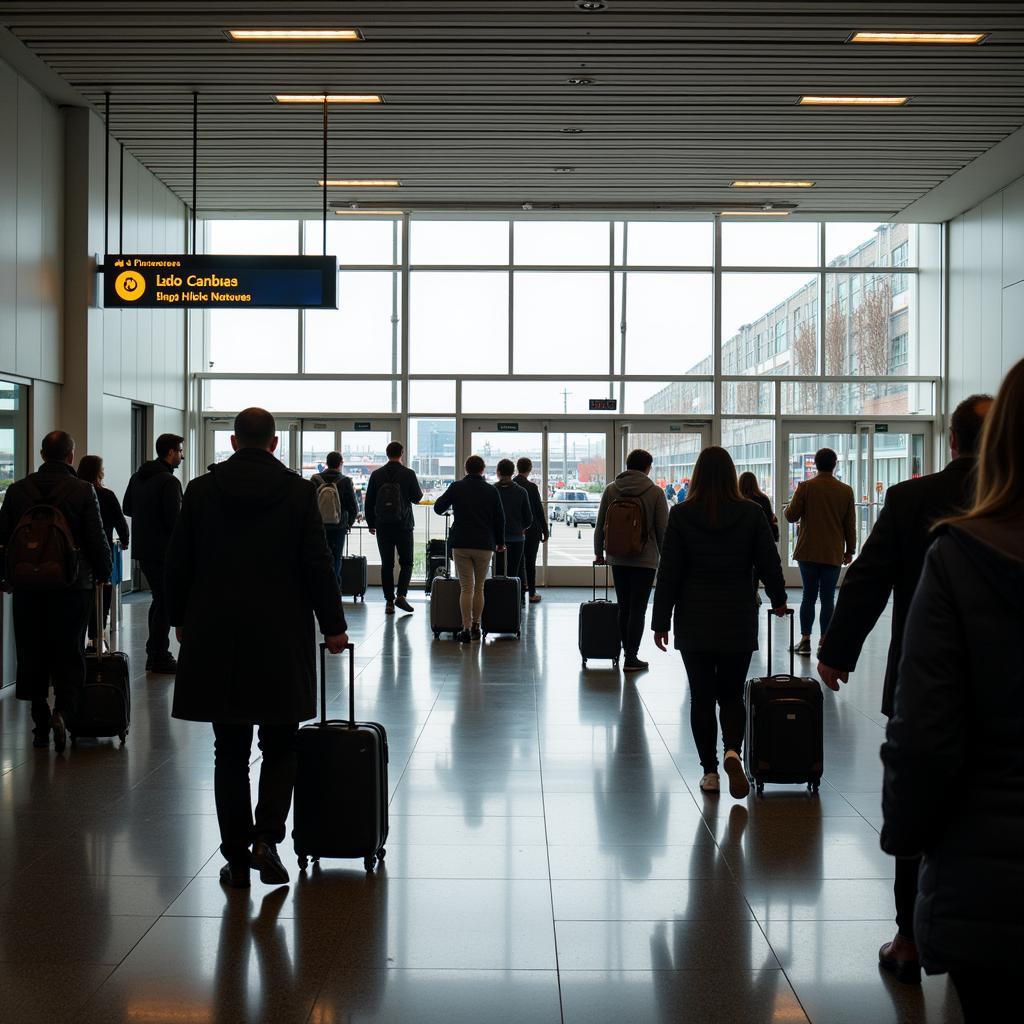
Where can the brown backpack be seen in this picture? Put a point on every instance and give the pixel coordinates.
(42, 554)
(625, 527)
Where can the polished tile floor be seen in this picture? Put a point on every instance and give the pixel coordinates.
(550, 859)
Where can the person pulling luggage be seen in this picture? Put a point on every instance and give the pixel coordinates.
(537, 533)
(515, 503)
(336, 499)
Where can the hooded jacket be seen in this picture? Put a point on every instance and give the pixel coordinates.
(248, 567)
(346, 495)
(704, 577)
(953, 787)
(633, 483)
(515, 503)
(152, 500)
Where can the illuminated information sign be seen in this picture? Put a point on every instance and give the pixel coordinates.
(220, 282)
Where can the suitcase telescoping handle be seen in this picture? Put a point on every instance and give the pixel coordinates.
(792, 639)
(99, 618)
(350, 649)
(607, 573)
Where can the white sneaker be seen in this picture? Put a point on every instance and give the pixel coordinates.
(710, 783)
(739, 786)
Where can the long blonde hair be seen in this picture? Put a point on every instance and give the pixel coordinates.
(999, 480)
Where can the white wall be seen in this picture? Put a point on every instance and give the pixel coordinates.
(986, 293)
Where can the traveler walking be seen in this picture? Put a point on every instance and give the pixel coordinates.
(248, 561)
(391, 492)
(751, 490)
(891, 562)
(823, 506)
(477, 531)
(713, 542)
(336, 500)
(90, 469)
(954, 777)
(152, 500)
(515, 503)
(52, 533)
(629, 535)
(537, 533)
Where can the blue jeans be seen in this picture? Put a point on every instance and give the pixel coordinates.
(817, 579)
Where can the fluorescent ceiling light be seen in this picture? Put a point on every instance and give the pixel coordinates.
(755, 213)
(963, 38)
(360, 183)
(329, 98)
(368, 213)
(853, 101)
(748, 183)
(327, 35)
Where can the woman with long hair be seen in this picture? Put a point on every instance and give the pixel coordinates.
(954, 750)
(714, 541)
(751, 490)
(90, 469)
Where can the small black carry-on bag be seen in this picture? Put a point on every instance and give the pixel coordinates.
(599, 625)
(105, 707)
(445, 610)
(784, 725)
(503, 602)
(353, 570)
(437, 560)
(341, 787)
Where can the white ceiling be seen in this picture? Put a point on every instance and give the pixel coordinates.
(686, 96)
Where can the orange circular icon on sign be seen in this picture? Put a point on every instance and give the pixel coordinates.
(129, 285)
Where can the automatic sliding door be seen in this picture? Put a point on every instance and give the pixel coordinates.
(577, 471)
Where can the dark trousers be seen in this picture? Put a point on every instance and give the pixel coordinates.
(632, 591)
(158, 645)
(232, 746)
(49, 637)
(530, 551)
(905, 891)
(392, 540)
(336, 542)
(108, 597)
(985, 996)
(819, 580)
(716, 679)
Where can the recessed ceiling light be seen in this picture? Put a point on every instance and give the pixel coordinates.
(564, 170)
(328, 98)
(360, 183)
(591, 5)
(571, 131)
(368, 213)
(326, 35)
(755, 213)
(579, 81)
(961, 38)
(748, 183)
(853, 101)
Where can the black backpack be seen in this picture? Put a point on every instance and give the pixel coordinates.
(42, 554)
(389, 508)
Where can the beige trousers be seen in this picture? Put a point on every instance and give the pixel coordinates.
(471, 566)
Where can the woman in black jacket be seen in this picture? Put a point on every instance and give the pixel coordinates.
(90, 469)
(714, 541)
(954, 750)
(751, 490)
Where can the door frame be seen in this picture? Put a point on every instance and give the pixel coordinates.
(864, 483)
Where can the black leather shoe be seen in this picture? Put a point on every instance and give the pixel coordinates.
(40, 739)
(235, 875)
(463, 636)
(266, 861)
(402, 602)
(906, 971)
(163, 666)
(60, 732)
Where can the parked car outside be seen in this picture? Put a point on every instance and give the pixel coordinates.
(561, 501)
(582, 516)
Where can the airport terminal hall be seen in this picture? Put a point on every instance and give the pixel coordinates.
(511, 513)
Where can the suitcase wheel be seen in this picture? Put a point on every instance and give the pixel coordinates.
(814, 787)
(519, 634)
(615, 662)
(369, 862)
(759, 787)
(381, 852)
(584, 662)
(123, 737)
(437, 634)
(303, 862)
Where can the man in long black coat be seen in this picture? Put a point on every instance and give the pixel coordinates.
(248, 567)
(891, 562)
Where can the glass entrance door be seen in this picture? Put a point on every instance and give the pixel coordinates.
(675, 446)
(872, 457)
(217, 441)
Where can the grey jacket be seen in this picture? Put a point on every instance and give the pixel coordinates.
(634, 483)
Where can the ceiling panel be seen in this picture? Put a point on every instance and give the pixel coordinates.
(684, 97)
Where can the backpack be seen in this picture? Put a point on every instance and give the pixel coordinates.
(389, 508)
(328, 501)
(42, 554)
(625, 527)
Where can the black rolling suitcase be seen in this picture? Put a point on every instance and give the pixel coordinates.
(599, 626)
(503, 603)
(105, 707)
(785, 725)
(353, 570)
(341, 787)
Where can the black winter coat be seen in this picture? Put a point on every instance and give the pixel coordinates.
(515, 503)
(113, 517)
(705, 574)
(247, 569)
(393, 472)
(81, 511)
(891, 562)
(539, 527)
(479, 518)
(954, 750)
(152, 499)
